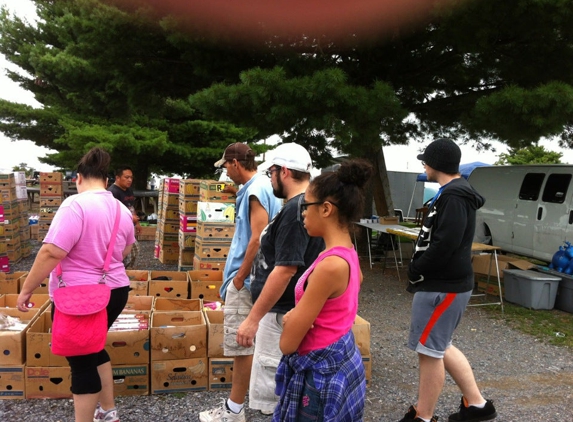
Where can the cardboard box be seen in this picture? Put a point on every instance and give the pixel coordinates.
(178, 335)
(177, 285)
(211, 251)
(216, 212)
(12, 382)
(189, 188)
(481, 264)
(38, 344)
(220, 374)
(207, 290)
(216, 232)
(129, 347)
(168, 227)
(10, 283)
(139, 305)
(389, 220)
(170, 214)
(50, 201)
(147, 233)
(48, 189)
(54, 177)
(37, 301)
(200, 264)
(4, 266)
(34, 231)
(50, 382)
(171, 185)
(188, 206)
(168, 240)
(130, 380)
(139, 282)
(205, 284)
(13, 343)
(170, 200)
(168, 255)
(186, 240)
(188, 223)
(215, 330)
(186, 257)
(182, 375)
(491, 287)
(361, 331)
(212, 191)
(162, 304)
(8, 194)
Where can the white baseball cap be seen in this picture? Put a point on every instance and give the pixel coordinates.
(290, 155)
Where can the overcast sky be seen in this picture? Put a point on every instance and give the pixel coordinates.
(398, 158)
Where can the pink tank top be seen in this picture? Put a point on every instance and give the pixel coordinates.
(338, 314)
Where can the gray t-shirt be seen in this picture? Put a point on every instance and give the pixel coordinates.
(284, 242)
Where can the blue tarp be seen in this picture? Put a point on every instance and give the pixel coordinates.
(465, 170)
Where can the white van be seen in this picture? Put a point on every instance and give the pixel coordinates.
(528, 209)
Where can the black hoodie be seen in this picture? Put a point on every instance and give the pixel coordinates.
(442, 255)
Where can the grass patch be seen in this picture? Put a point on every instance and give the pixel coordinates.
(551, 326)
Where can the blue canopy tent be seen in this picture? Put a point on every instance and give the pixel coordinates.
(465, 170)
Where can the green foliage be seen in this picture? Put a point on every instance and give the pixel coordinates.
(28, 171)
(114, 79)
(319, 110)
(532, 154)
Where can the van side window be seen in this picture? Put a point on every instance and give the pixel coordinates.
(531, 186)
(556, 188)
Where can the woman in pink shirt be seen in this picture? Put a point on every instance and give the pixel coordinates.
(321, 375)
(78, 240)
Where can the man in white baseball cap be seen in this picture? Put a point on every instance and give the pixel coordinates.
(285, 252)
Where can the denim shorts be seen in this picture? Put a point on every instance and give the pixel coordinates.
(310, 408)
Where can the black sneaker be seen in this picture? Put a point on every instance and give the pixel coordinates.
(412, 416)
(474, 414)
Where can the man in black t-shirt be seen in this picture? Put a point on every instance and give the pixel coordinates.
(122, 191)
(286, 251)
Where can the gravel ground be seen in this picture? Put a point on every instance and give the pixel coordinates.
(527, 379)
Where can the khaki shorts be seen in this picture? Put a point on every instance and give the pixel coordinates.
(238, 304)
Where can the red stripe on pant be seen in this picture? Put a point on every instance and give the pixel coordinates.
(440, 309)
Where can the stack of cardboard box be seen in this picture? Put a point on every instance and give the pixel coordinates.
(22, 198)
(215, 225)
(167, 246)
(11, 251)
(13, 377)
(178, 346)
(189, 190)
(51, 197)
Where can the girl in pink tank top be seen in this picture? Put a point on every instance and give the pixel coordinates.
(321, 376)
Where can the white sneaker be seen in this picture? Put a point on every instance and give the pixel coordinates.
(267, 412)
(109, 416)
(222, 414)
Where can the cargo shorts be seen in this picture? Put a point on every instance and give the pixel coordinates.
(238, 304)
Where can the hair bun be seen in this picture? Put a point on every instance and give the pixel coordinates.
(355, 172)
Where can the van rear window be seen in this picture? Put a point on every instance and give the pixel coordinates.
(531, 186)
(556, 188)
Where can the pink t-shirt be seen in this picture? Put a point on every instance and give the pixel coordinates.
(82, 227)
(338, 314)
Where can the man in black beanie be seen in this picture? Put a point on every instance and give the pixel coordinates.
(441, 277)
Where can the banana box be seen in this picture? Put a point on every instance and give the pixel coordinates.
(216, 212)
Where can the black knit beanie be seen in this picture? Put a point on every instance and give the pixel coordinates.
(442, 155)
